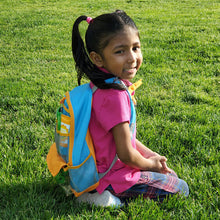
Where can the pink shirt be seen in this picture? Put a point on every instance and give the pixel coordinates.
(109, 108)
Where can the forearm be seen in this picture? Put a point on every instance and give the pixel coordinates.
(135, 159)
(145, 151)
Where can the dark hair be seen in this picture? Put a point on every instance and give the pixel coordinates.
(100, 31)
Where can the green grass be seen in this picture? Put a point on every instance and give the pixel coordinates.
(178, 103)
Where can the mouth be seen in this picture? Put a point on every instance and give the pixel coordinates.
(130, 70)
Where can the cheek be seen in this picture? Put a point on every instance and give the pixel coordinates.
(140, 59)
(116, 62)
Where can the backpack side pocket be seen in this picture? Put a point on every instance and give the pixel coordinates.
(62, 133)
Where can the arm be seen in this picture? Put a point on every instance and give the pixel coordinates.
(132, 157)
(147, 153)
(144, 151)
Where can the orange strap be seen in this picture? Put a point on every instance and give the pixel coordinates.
(132, 88)
(54, 161)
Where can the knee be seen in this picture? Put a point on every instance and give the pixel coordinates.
(184, 188)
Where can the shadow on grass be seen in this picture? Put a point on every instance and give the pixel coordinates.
(46, 200)
(41, 200)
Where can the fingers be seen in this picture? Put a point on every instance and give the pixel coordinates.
(163, 159)
(165, 167)
(160, 164)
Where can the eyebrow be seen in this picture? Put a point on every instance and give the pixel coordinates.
(124, 45)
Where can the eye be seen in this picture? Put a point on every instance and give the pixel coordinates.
(136, 48)
(119, 52)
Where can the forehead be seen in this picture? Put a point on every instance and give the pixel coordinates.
(127, 36)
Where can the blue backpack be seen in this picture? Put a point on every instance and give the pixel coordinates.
(71, 158)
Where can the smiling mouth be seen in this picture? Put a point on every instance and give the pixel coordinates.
(130, 70)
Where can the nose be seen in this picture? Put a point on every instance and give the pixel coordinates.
(132, 56)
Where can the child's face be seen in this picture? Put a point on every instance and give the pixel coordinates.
(122, 56)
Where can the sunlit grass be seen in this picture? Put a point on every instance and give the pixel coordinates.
(178, 103)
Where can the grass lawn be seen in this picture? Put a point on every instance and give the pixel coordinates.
(178, 103)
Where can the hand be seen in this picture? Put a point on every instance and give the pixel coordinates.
(165, 167)
(159, 164)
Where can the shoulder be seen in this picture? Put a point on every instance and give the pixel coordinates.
(111, 107)
(112, 96)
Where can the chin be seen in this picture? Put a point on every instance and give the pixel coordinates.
(130, 76)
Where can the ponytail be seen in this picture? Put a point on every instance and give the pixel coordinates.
(82, 62)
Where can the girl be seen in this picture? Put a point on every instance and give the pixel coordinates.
(113, 53)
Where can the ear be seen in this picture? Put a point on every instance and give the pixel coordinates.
(96, 59)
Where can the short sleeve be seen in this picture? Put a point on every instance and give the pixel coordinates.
(114, 109)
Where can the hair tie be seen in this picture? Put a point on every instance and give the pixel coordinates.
(89, 20)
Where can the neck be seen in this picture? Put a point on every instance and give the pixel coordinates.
(103, 69)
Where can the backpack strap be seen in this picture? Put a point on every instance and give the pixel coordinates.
(101, 175)
(94, 88)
